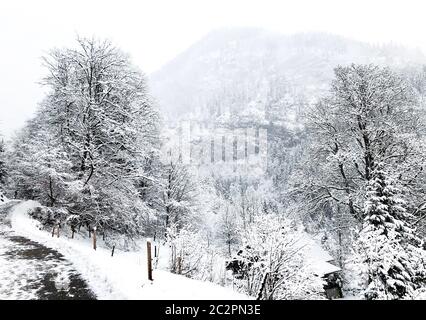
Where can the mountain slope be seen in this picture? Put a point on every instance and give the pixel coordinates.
(232, 70)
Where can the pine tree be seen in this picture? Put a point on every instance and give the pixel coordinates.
(387, 250)
(370, 116)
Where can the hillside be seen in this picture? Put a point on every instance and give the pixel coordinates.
(231, 70)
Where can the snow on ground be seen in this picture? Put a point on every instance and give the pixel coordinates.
(28, 272)
(123, 276)
(11, 271)
(318, 258)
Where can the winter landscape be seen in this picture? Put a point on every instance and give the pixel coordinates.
(255, 164)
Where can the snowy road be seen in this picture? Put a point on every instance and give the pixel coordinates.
(29, 270)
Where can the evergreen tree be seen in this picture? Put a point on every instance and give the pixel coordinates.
(369, 117)
(387, 251)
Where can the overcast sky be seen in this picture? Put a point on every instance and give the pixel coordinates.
(155, 31)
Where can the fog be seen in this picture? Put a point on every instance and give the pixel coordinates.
(154, 32)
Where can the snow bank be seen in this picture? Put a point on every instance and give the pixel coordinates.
(123, 276)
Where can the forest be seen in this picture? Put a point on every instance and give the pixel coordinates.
(342, 163)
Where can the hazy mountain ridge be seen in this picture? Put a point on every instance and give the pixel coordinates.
(232, 70)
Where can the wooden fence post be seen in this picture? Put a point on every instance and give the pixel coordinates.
(179, 265)
(112, 253)
(148, 247)
(57, 230)
(94, 238)
(53, 231)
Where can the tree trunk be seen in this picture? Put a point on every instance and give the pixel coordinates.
(262, 287)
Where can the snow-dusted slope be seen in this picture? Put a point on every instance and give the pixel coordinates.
(122, 276)
(233, 68)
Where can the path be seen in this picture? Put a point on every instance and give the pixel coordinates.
(29, 270)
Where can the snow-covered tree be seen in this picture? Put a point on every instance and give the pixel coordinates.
(93, 139)
(417, 78)
(179, 196)
(228, 226)
(39, 166)
(369, 117)
(388, 255)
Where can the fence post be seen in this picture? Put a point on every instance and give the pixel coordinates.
(179, 265)
(112, 253)
(94, 238)
(57, 230)
(148, 247)
(53, 231)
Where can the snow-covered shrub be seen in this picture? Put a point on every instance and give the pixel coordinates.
(186, 250)
(272, 264)
(49, 216)
(192, 255)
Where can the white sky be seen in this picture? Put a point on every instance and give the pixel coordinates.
(154, 31)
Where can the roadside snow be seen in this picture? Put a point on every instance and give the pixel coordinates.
(123, 276)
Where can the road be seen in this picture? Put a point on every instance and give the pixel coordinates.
(29, 270)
